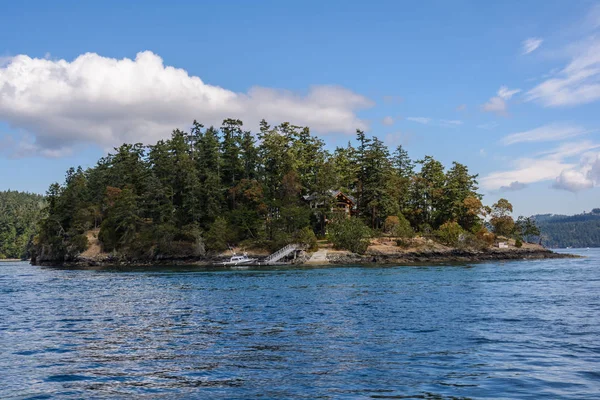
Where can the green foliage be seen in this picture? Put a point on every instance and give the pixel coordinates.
(119, 229)
(403, 229)
(349, 234)
(216, 187)
(19, 215)
(518, 243)
(581, 230)
(526, 229)
(307, 238)
(219, 236)
(449, 233)
(501, 220)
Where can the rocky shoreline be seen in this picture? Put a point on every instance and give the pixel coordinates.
(437, 257)
(450, 256)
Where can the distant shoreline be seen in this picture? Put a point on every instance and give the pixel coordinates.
(11, 260)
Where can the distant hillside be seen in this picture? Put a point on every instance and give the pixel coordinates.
(581, 230)
(19, 215)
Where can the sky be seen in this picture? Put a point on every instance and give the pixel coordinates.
(511, 89)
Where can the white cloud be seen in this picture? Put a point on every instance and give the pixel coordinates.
(388, 121)
(58, 104)
(551, 132)
(549, 166)
(525, 170)
(531, 44)
(461, 107)
(579, 81)
(420, 120)
(585, 176)
(497, 104)
(506, 93)
(573, 181)
(482, 153)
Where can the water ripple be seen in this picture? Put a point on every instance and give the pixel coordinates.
(512, 330)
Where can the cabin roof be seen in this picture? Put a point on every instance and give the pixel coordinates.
(332, 193)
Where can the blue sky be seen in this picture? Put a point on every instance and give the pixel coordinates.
(511, 89)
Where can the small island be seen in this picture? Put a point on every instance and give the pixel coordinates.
(203, 195)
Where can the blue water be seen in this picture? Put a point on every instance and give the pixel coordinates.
(528, 329)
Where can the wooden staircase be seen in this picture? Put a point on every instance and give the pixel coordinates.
(281, 253)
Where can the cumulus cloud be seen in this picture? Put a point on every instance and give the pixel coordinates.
(498, 103)
(585, 176)
(513, 187)
(59, 104)
(388, 121)
(571, 166)
(550, 132)
(420, 120)
(573, 181)
(531, 44)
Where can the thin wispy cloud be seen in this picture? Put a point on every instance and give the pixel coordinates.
(420, 120)
(531, 44)
(550, 132)
(559, 165)
(106, 101)
(498, 103)
(461, 107)
(579, 81)
(450, 122)
(445, 123)
(506, 93)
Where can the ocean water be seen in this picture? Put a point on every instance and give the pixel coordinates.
(528, 329)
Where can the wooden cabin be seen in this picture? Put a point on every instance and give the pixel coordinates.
(339, 202)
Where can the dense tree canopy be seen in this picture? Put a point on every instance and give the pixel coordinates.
(581, 230)
(210, 188)
(19, 214)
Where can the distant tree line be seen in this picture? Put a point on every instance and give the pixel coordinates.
(19, 215)
(581, 230)
(209, 188)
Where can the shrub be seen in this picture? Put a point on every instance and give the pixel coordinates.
(518, 243)
(425, 230)
(485, 236)
(307, 238)
(219, 235)
(449, 233)
(349, 234)
(403, 229)
(390, 224)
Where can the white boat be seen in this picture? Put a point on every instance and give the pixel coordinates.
(239, 260)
